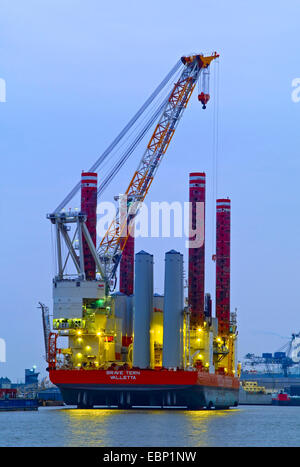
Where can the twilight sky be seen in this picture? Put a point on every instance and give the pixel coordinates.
(76, 72)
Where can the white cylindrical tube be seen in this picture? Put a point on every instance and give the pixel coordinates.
(173, 310)
(143, 306)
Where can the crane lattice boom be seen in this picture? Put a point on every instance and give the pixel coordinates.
(114, 241)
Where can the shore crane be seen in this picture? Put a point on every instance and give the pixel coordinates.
(108, 254)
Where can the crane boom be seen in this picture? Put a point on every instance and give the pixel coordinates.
(114, 241)
(46, 326)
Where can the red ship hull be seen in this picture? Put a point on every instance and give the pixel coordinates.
(130, 388)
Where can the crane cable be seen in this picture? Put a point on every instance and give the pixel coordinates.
(105, 154)
(119, 164)
(215, 151)
(138, 126)
(151, 117)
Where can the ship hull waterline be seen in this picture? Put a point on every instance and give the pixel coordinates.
(146, 388)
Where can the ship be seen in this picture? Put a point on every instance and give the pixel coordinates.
(286, 400)
(252, 394)
(126, 389)
(10, 401)
(18, 404)
(179, 367)
(133, 347)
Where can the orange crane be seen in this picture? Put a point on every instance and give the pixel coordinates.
(116, 236)
(108, 254)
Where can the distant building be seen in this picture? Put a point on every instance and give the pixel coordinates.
(31, 377)
(5, 383)
(31, 380)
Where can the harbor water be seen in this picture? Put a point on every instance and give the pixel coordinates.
(243, 426)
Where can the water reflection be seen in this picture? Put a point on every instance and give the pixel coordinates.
(245, 426)
(88, 427)
(203, 427)
(142, 427)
